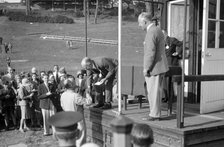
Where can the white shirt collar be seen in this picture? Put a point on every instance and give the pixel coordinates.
(149, 26)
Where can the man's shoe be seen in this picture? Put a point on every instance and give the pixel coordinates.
(151, 118)
(6, 128)
(47, 134)
(98, 105)
(21, 130)
(27, 129)
(164, 100)
(107, 106)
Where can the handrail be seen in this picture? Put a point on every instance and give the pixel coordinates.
(198, 78)
(190, 78)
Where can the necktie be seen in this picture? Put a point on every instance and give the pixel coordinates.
(56, 78)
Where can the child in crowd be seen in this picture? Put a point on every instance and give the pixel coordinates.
(142, 135)
(80, 82)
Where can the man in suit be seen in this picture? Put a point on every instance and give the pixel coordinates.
(56, 74)
(154, 63)
(173, 49)
(46, 105)
(103, 70)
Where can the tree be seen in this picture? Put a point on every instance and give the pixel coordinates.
(150, 7)
(28, 8)
(86, 9)
(96, 11)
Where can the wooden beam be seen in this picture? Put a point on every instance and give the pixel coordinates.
(198, 78)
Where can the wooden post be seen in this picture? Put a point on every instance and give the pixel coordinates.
(121, 128)
(193, 49)
(85, 13)
(140, 102)
(180, 106)
(170, 95)
(124, 101)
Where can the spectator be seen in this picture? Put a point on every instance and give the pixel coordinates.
(69, 102)
(67, 128)
(46, 105)
(35, 109)
(142, 135)
(55, 98)
(25, 96)
(2, 46)
(34, 70)
(8, 97)
(10, 74)
(8, 47)
(81, 83)
(42, 73)
(62, 72)
(17, 85)
(56, 74)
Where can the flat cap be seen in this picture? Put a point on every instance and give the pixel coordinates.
(65, 121)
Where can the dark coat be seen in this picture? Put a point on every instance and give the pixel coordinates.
(173, 45)
(44, 99)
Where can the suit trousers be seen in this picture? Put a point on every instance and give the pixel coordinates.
(46, 115)
(155, 88)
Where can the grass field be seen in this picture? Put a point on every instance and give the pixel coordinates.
(43, 54)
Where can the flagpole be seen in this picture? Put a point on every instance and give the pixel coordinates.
(119, 54)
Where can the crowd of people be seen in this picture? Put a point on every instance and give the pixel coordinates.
(35, 97)
(29, 99)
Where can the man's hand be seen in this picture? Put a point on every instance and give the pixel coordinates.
(48, 93)
(175, 54)
(31, 94)
(7, 96)
(145, 73)
(103, 81)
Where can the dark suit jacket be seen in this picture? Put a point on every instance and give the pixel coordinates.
(106, 66)
(155, 61)
(173, 45)
(44, 99)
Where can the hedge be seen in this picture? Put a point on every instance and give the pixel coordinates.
(21, 16)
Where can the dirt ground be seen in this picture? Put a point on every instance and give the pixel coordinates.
(34, 138)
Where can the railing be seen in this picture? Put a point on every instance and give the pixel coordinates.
(190, 78)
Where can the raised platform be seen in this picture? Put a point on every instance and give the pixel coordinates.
(199, 131)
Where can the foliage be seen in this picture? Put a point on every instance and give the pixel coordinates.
(138, 8)
(130, 18)
(110, 11)
(79, 13)
(35, 17)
